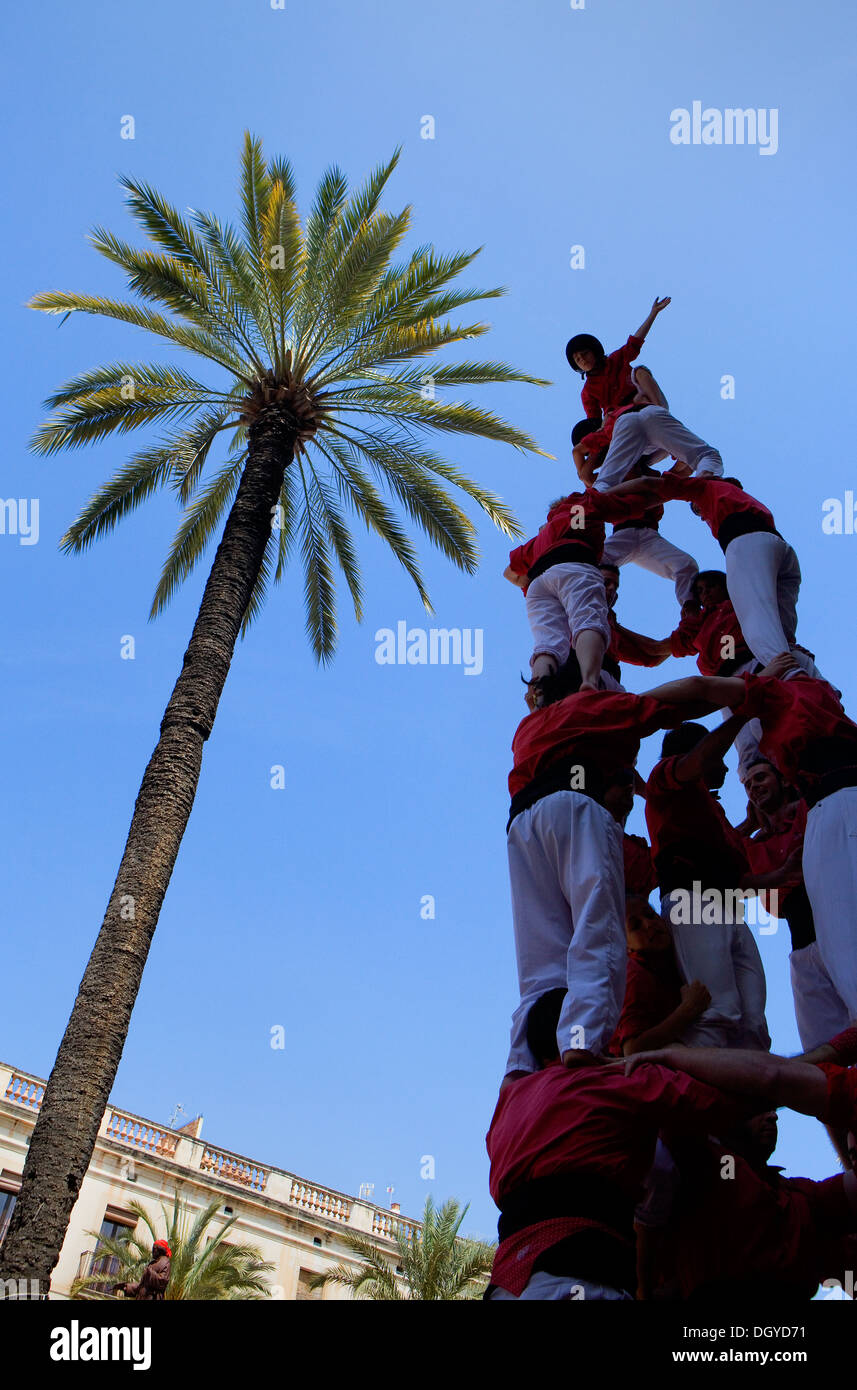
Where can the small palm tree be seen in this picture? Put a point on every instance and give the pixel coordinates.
(203, 1268)
(436, 1263)
(314, 332)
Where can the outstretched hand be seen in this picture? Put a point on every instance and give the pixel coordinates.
(780, 666)
(660, 304)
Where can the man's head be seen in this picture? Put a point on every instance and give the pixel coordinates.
(709, 588)
(611, 582)
(579, 433)
(565, 681)
(644, 929)
(584, 353)
(678, 742)
(160, 1248)
(734, 482)
(756, 1139)
(542, 1023)
(618, 796)
(764, 786)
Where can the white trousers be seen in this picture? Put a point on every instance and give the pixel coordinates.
(830, 876)
(567, 877)
(820, 1012)
(725, 957)
(651, 551)
(641, 432)
(563, 602)
(562, 1288)
(763, 579)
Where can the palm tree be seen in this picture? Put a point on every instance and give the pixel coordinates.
(315, 332)
(436, 1263)
(201, 1269)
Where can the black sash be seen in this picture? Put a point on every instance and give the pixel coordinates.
(568, 553)
(585, 1195)
(743, 524)
(557, 778)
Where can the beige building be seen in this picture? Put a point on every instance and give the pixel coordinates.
(296, 1225)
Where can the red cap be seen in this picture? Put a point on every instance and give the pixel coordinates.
(162, 1244)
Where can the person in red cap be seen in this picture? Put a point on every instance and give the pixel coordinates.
(152, 1284)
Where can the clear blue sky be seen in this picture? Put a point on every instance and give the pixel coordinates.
(302, 907)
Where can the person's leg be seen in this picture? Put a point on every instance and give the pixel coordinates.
(627, 445)
(589, 863)
(548, 624)
(820, 1013)
(704, 952)
(663, 431)
(620, 548)
(542, 923)
(655, 553)
(580, 589)
(752, 988)
(830, 876)
(752, 571)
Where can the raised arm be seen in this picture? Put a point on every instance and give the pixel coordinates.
(657, 308)
(774, 1080)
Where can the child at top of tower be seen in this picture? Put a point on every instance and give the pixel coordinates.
(611, 386)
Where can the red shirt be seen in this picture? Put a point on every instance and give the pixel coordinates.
(710, 634)
(797, 715)
(755, 1226)
(603, 727)
(640, 877)
(578, 517)
(841, 1095)
(767, 855)
(652, 993)
(715, 499)
(690, 835)
(587, 1120)
(625, 647)
(845, 1044)
(610, 387)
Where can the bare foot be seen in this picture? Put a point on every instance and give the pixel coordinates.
(579, 1057)
(588, 685)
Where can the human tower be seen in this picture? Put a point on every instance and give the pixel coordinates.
(608, 1173)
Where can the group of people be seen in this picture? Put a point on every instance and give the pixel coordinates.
(631, 1141)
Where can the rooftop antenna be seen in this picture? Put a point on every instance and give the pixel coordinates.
(179, 1110)
(366, 1190)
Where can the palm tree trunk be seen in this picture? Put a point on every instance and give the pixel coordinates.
(82, 1077)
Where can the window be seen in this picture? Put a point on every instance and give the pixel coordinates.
(109, 1265)
(304, 1291)
(7, 1206)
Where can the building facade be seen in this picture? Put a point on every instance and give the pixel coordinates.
(296, 1225)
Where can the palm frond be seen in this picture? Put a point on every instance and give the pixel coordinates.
(132, 484)
(198, 526)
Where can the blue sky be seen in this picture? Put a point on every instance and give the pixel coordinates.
(301, 907)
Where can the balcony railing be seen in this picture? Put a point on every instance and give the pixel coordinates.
(127, 1129)
(26, 1091)
(142, 1137)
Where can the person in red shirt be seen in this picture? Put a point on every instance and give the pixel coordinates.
(611, 385)
(569, 1154)
(777, 822)
(565, 851)
(700, 861)
(762, 571)
(658, 1008)
(740, 1227)
(709, 630)
(564, 589)
(638, 540)
(807, 735)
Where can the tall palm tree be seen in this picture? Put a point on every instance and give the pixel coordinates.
(317, 335)
(203, 1267)
(436, 1262)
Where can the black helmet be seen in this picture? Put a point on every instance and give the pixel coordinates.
(582, 429)
(582, 342)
